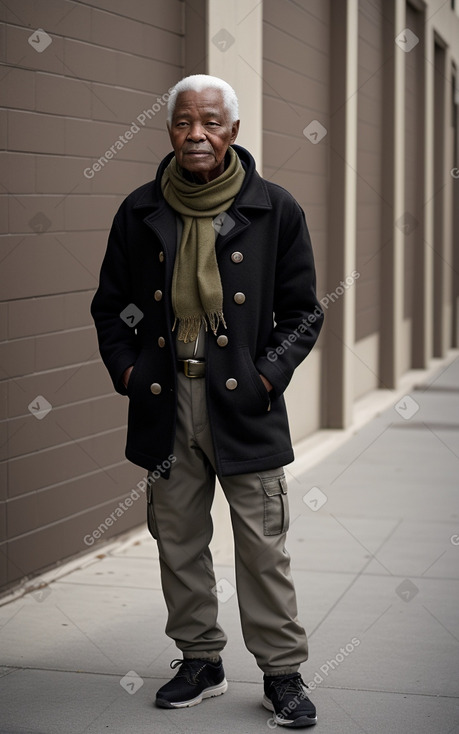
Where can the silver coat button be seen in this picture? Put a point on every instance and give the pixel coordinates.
(237, 257)
(239, 298)
(158, 295)
(222, 340)
(161, 342)
(155, 388)
(161, 256)
(231, 384)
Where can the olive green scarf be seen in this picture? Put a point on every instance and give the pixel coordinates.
(196, 285)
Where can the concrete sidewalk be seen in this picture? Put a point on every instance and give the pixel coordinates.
(374, 541)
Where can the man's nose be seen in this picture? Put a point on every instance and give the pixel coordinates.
(196, 133)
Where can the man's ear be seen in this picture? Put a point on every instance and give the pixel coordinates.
(235, 130)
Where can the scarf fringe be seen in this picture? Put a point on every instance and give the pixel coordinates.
(190, 326)
(215, 319)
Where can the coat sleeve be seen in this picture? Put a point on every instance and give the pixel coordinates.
(298, 316)
(117, 339)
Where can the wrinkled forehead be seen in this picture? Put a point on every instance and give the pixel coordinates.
(208, 100)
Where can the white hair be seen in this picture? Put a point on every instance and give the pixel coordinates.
(198, 82)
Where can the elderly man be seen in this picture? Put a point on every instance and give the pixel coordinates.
(206, 305)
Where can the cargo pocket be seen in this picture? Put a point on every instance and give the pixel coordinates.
(151, 522)
(276, 512)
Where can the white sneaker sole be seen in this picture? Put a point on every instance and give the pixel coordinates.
(293, 723)
(206, 693)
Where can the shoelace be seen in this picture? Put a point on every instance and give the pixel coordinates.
(189, 669)
(291, 685)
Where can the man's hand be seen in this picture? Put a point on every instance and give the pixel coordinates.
(266, 383)
(126, 375)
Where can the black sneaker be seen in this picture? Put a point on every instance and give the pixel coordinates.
(195, 680)
(286, 696)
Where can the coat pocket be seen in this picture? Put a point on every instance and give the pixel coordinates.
(133, 375)
(276, 514)
(139, 371)
(258, 397)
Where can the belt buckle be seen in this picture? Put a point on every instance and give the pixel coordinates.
(188, 365)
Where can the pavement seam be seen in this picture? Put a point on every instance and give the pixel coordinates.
(240, 682)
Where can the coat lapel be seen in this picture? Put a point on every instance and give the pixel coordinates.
(163, 223)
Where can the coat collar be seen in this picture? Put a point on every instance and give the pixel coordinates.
(253, 194)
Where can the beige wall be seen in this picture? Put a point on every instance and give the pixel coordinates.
(234, 30)
(65, 105)
(385, 146)
(369, 194)
(361, 182)
(295, 95)
(414, 135)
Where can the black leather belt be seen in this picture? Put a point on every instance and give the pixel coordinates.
(192, 367)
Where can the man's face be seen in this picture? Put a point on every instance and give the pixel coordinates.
(200, 133)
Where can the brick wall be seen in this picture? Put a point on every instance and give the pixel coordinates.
(296, 95)
(69, 91)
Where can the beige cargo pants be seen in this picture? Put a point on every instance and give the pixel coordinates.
(179, 519)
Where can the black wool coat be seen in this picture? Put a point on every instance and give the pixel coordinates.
(264, 253)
